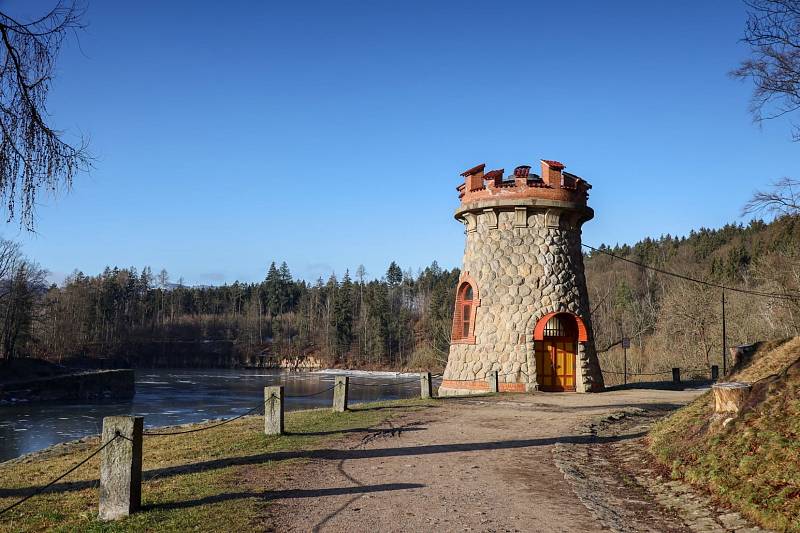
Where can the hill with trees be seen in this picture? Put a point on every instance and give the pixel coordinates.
(677, 323)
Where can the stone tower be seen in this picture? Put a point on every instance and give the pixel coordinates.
(522, 308)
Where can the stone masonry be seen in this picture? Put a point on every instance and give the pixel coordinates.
(523, 257)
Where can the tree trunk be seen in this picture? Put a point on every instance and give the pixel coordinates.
(730, 397)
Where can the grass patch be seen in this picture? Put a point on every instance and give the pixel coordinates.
(193, 481)
(753, 464)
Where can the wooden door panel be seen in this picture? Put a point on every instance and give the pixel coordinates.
(561, 365)
(555, 364)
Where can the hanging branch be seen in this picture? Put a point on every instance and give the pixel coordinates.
(32, 154)
(782, 199)
(773, 35)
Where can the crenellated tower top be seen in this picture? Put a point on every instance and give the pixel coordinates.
(553, 188)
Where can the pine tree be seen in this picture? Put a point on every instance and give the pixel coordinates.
(394, 275)
(272, 289)
(343, 316)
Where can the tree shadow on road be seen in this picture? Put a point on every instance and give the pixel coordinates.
(268, 495)
(332, 454)
(356, 430)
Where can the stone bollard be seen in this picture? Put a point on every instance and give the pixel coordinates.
(494, 382)
(714, 373)
(425, 385)
(273, 410)
(121, 467)
(340, 390)
(676, 375)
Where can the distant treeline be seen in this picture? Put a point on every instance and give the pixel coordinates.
(128, 314)
(403, 319)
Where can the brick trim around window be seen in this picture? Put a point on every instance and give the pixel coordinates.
(464, 326)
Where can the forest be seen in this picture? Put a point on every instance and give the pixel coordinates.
(130, 317)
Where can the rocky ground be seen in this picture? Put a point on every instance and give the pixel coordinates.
(544, 462)
(616, 479)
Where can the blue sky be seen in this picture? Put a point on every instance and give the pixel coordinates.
(332, 134)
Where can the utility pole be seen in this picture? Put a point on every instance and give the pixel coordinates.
(724, 338)
(626, 343)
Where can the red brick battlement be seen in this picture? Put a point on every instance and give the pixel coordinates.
(552, 184)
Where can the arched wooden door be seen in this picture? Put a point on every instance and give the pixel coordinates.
(556, 354)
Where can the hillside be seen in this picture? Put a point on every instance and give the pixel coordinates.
(676, 323)
(752, 464)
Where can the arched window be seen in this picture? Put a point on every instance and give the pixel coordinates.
(560, 324)
(554, 328)
(464, 313)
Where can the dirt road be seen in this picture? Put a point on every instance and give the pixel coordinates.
(469, 464)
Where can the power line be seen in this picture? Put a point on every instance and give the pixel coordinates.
(790, 297)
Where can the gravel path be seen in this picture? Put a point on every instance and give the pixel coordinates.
(481, 464)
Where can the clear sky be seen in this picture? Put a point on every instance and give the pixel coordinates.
(332, 134)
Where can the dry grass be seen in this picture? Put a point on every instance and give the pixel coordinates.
(753, 464)
(771, 358)
(192, 481)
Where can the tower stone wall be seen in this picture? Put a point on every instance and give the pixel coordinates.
(523, 258)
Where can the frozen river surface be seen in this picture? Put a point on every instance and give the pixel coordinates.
(168, 397)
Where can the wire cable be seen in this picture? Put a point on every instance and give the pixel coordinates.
(786, 296)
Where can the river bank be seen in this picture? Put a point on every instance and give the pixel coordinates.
(168, 397)
(74, 386)
(449, 464)
(192, 481)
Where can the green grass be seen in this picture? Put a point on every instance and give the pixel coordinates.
(217, 482)
(753, 464)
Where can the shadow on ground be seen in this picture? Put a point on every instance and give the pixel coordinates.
(281, 494)
(333, 455)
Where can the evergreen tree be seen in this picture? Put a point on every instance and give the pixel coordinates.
(342, 316)
(394, 275)
(272, 289)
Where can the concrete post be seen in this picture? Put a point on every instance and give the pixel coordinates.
(676, 376)
(714, 373)
(121, 467)
(494, 382)
(425, 385)
(273, 410)
(340, 393)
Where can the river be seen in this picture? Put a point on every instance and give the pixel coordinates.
(169, 397)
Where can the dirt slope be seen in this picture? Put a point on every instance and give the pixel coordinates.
(753, 463)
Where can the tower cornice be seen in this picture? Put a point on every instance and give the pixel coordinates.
(503, 203)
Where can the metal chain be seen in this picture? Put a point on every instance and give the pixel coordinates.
(357, 384)
(195, 430)
(312, 394)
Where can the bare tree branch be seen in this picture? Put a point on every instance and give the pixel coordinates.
(782, 199)
(773, 34)
(33, 156)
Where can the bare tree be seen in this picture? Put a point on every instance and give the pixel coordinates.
(33, 155)
(773, 34)
(22, 286)
(782, 199)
